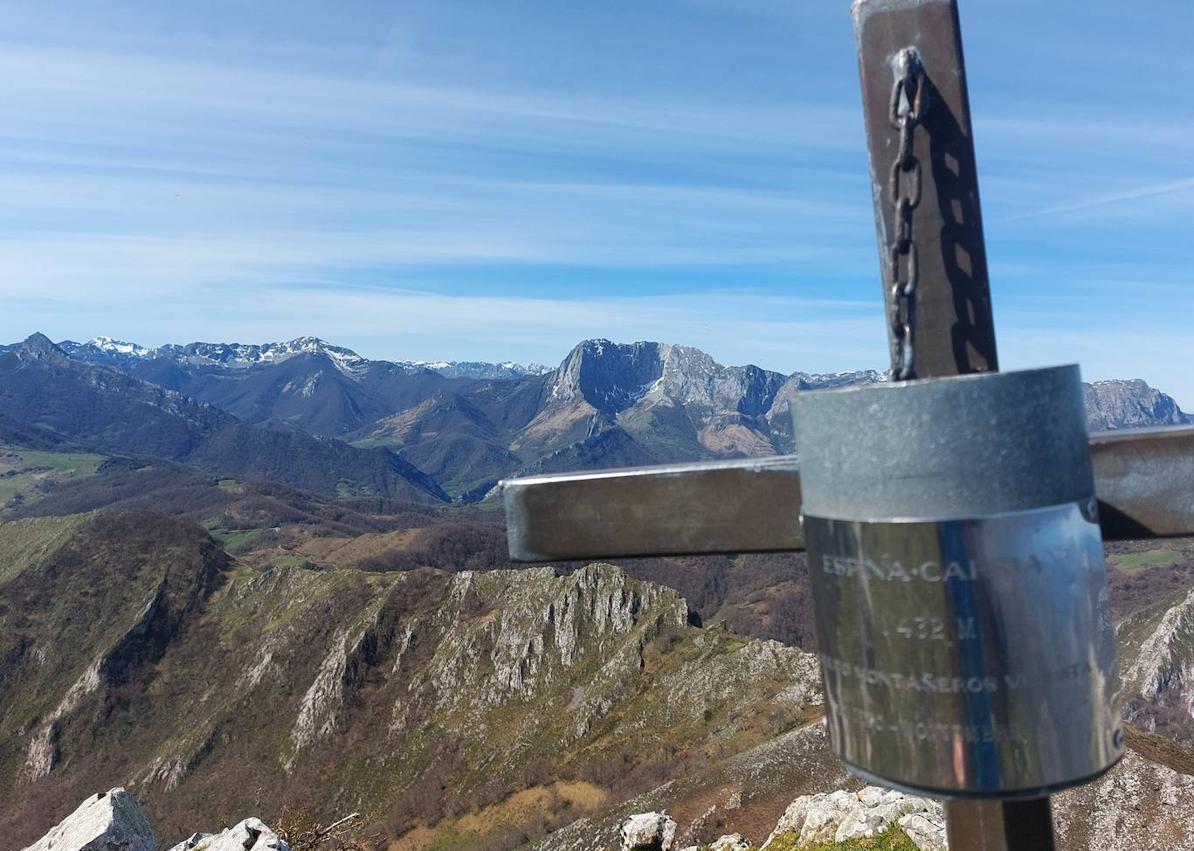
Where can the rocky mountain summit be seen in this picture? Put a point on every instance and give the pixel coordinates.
(1130, 404)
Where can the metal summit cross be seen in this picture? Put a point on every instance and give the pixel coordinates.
(952, 516)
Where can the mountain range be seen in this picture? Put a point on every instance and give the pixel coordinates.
(322, 417)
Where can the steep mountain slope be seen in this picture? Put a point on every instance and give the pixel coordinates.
(98, 407)
(1158, 684)
(415, 696)
(452, 437)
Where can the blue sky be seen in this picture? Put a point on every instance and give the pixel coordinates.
(498, 179)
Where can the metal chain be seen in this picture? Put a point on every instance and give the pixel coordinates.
(907, 110)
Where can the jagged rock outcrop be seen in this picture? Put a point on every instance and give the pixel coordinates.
(823, 817)
(107, 821)
(113, 821)
(1158, 676)
(1139, 805)
(190, 842)
(252, 834)
(841, 815)
(649, 832)
(760, 780)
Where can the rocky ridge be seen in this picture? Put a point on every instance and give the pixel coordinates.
(206, 683)
(114, 821)
(1158, 677)
(1142, 804)
(242, 356)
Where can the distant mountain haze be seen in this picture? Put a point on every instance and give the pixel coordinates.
(320, 416)
(107, 410)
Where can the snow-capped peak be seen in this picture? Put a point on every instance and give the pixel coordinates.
(238, 356)
(480, 369)
(119, 347)
(243, 356)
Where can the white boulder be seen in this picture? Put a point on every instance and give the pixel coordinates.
(648, 832)
(815, 818)
(190, 842)
(252, 834)
(730, 842)
(840, 816)
(107, 821)
(926, 830)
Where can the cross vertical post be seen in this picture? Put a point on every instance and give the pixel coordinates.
(942, 221)
(928, 219)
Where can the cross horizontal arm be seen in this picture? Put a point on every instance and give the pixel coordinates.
(750, 505)
(1144, 480)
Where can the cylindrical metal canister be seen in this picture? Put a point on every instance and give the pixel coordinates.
(958, 580)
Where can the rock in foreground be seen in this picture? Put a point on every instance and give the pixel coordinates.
(649, 832)
(113, 821)
(250, 835)
(840, 816)
(107, 821)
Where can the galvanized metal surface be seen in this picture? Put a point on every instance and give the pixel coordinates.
(954, 328)
(943, 448)
(1144, 479)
